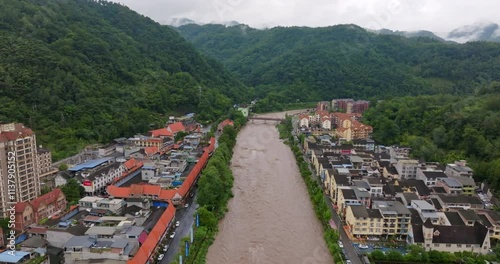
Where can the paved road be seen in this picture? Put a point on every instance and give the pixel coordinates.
(186, 219)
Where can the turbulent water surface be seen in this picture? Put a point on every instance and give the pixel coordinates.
(270, 218)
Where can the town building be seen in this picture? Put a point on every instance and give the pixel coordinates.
(363, 222)
(396, 218)
(40, 208)
(18, 154)
(459, 168)
(95, 175)
(114, 206)
(451, 238)
(223, 124)
(407, 168)
(44, 165)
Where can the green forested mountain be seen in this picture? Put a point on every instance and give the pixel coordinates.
(445, 128)
(80, 71)
(345, 61)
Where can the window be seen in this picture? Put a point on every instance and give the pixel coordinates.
(448, 245)
(459, 245)
(468, 246)
(436, 245)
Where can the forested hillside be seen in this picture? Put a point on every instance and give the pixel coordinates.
(310, 64)
(445, 128)
(80, 71)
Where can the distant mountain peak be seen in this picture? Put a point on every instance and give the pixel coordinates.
(481, 31)
(409, 34)
(177, 22)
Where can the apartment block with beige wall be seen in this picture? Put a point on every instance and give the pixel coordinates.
(363, 222)
(396, 217)
(18, 159)
(351, 195)
(333, 181)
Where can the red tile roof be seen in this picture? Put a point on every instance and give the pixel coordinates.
(19, 131)
(162, 132)
(150, 150)
(129, 164)
(166, 195)
(48, 198)
(176, 127)
(145, 252)
(21, 206)
(302, 116)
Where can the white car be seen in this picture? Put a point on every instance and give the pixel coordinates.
(172, 235)
(340, 244)
(348, 262)
(160, 257)
(177, 223)
(165, 248)
(186, 206)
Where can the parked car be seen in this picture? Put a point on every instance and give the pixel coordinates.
(348, 262)
(340, 244)
(165, 248)
(172, 235)
(186, 205)
(177, 224)
(160, 257)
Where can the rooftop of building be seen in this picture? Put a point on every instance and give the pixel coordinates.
(90, 164)
(459, 199)
(423, 205)
(434, 174)
(454, 218)
(390, 207)
(451, 182)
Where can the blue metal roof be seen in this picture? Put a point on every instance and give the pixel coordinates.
(89, 164)
(12, 256)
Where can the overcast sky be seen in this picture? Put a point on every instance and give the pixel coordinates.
(433, 15)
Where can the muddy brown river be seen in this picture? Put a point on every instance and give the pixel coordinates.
(270, 219)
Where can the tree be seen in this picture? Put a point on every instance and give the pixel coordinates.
(63, 167)
(378, 255)
(207, 218)
(73, 191)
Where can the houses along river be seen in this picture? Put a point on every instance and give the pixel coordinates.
(270, 218)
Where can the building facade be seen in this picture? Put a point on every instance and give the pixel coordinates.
(17, 163)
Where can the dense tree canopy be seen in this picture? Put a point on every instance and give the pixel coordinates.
(80, 71)
(445, 128)
(311, 64)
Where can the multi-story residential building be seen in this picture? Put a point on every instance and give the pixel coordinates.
(426, 211)
(363, 222)
(451, 238)
(323, 106)
(494, 218)
(459, 168)
(447, 202)
(353, 129)
(96, 180)
(450, 185)
(115, 206)
(42, 207)
(366, 143)
(304, 120)
(407, 168)
(333, 181)
(396, 217)
(468, 185)
(398, 152)
(17, 163)
(349, 105)
(44, 165)
(352, 195)
(376, 186)
(90, 248)
(429, 176)
(326, 123)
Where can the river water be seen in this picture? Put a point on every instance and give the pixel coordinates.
(270, 218)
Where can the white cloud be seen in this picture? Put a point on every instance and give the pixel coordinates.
(438, 16)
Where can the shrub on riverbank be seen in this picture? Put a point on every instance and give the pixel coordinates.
(315, 191)
(214, 191)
